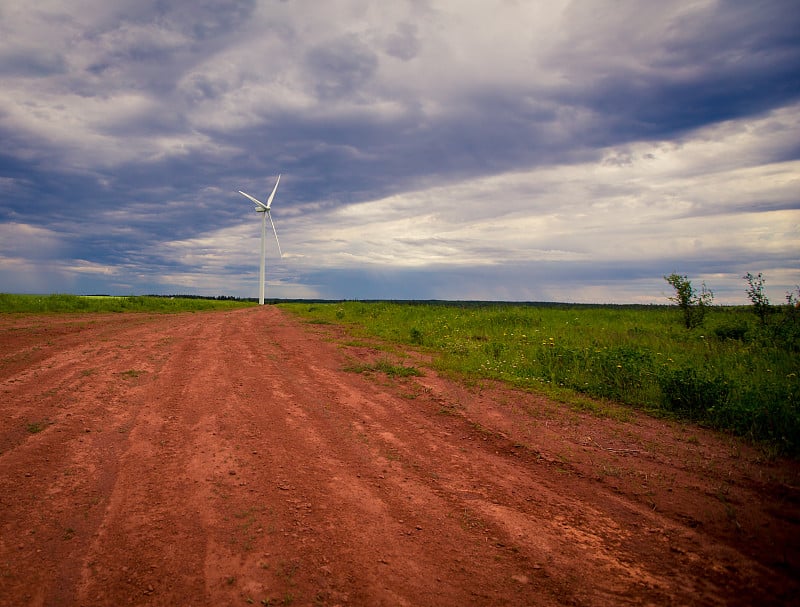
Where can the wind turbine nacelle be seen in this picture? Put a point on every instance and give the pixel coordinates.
(261, 210)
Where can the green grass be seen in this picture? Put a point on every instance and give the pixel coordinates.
(385, 366)
(36, 427)
(730, 374)
(39, 304)
(132, 373)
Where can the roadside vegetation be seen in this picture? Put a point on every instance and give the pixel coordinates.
(38, 304)
(731, 370)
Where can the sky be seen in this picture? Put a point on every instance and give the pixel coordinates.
(429, 149)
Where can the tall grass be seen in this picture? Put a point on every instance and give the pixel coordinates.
(39, 304)
(728, 374)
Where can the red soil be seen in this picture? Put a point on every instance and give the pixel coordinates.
(229, 458)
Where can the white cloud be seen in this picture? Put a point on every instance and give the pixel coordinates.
(30, 241)
(81, 266)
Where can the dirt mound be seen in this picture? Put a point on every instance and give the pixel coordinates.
(229, 458)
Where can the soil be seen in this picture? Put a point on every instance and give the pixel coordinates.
(235, 458)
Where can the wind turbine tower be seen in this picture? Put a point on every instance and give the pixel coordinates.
(265, 210)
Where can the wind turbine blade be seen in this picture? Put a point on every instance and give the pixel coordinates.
(258, 202)
(274, 231)
(271, 196)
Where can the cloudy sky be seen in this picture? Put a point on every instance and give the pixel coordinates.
(429, 149)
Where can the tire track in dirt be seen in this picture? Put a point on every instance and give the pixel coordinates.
(59, 475)
(226, 458)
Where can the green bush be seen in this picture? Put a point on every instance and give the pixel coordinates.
(622, 372)
(692, 303)
(736, 331)
(692, 394)
(786, 329)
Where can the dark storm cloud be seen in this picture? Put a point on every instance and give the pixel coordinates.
(31, 62)
(727, 60)
(341, 68)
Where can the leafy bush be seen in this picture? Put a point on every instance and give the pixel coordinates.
(692, 304)
(731, 331)
(786, 330)
(622, 372)
(756, 295)
(693, 394)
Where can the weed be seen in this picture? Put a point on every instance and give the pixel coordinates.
(611, 471)
(287, 570)
(247, 520)
(692, 394)
(392, 370)
(449, 409)
(36, 427)
(384, 366)
(131, 373)
(731, 331)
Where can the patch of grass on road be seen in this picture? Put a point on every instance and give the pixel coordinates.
(384, 366)
(36, 427)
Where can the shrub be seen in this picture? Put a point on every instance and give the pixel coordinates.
(691, 394)
(692, 304)
(621, 372)
(731, 331)
(787, 330)
(769, 411)
(755, 292)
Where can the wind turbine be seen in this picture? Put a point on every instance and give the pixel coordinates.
(265, 209)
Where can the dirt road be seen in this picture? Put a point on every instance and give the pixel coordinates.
(230, 458)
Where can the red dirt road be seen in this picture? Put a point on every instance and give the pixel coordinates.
(229, 458)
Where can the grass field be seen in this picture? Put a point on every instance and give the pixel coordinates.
(38, 304)
(733, 373)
